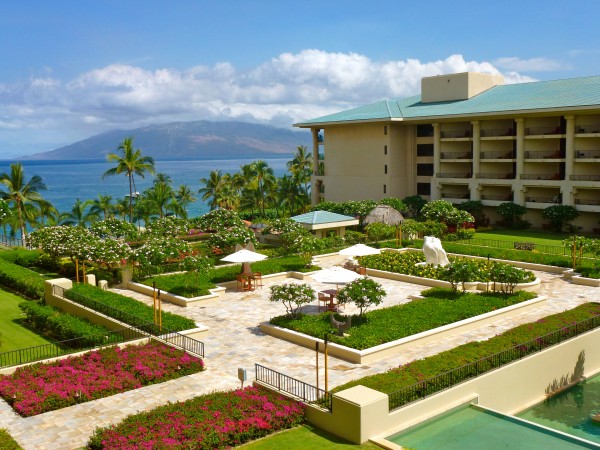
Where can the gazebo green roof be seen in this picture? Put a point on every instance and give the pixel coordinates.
(321, 218)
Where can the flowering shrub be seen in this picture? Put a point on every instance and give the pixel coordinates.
(229, 237)
(112, 227)
(218, 219)
(560, 215)
(158, 250)
(168, 226)
(217, 420)
(363, 292)
(43, 387)
(293, 296)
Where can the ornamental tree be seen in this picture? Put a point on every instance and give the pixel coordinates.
(512, 214)
(560, 215)
(363, 292)
(293, 296)
(168, 226)
(113, 228)
(159, 250)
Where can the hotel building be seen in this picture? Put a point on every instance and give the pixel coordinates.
(468, 136)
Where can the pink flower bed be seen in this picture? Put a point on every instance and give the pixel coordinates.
(217, 420)
(46, 387)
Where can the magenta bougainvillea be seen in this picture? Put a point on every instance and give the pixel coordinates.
(46, 387)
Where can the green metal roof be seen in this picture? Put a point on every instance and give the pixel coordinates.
(560, 94)
(321, 217)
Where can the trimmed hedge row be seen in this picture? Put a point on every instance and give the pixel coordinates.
(22, 280)
(429, 367)
(7, 442)
(22, 256)
(61, 326)
(130, 306)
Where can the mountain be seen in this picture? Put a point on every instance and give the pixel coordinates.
(190, 140)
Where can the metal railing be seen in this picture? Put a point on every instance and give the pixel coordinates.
(150, 329)
(456, 155)
(11, 241)
(558, 250)
(456, 134)
(555, 199)
(541, 176)
(536, 131)
(587, 201)
(587, 154)
(498, 155)
(61, 348)
(545, 154)
(588, 128)
(496, 176)
(453, 175)
(497, 197)
(459, 195)
(472, 370)
(585, 177)
(497, 132)
(307, 393)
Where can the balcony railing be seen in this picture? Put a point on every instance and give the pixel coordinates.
(586, 201)
(555, 199)
(536, 131)
(321, 157)
(461, 195)
(453, 175)
(501, 198)
(497, 132)
(547, 154)
(456, 155)
(498, 155)
(541, 176)
(587, 154)
(585, 177)
(456, 134)
(496, 176)
(320, 139)
(588, 128)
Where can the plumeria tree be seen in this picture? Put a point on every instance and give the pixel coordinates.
(168, 226)
(158, 250)
(363, 292)
(293, 296)
(113, 227)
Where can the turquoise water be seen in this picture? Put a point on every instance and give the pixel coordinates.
(468, 427)
(571, 410)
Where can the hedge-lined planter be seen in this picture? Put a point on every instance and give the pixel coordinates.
(22, 280)
(406, 343)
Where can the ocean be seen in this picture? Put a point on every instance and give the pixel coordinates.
(70, 180)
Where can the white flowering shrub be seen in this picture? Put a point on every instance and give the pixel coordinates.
(363, 292)
(218, 219)
(159, 250)
(168, 226)
(229, 237)
(113, 228)
(293, 296)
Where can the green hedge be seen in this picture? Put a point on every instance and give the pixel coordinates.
(22, 280)
(22, 256)
(441, 307)
(423, 369)
(61, 326)
(130, 306)
(7, 442)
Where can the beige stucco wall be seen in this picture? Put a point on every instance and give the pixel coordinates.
(457, 86)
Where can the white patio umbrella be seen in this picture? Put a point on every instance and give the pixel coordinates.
(359, 250)
(335, 275)
(245, 257)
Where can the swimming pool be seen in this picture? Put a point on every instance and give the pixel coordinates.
(471, 427)
(571, 410)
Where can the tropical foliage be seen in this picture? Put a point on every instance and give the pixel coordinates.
(292, 295)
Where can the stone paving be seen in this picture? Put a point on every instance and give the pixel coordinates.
(235, 340)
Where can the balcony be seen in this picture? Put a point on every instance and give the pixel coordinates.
(498, 155)
(541, 176)
(495, 176)
(456, 155)
(320, 139)
(456, 196)
(543, 131)
(585, 177)
(587, 201)
(454, 134)
(553, 200)
(583, 154)
(321, 157)
(453, 175)
(547, 154)
(588, 128)
(497, 132)
(498, 198)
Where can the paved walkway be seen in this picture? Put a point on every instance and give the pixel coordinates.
(235, 340)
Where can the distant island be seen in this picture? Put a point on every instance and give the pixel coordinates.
(189, 140)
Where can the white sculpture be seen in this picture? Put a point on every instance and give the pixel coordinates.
(433, 251)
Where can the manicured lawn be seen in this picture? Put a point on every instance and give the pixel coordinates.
(13, 334)
(303, 437)
(536, 236)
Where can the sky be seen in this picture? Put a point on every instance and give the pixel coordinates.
(70, 69)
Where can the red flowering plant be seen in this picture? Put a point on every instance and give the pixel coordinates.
(212, 421)
(43, 387)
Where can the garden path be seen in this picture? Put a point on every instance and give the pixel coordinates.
(234, 340)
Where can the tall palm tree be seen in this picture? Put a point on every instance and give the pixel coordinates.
(301, 166)
(263, 174)
(47, 213)
(130, 162)
(160, 196)
(211, 188)
(20, 194)
(162, 178)
(79, 216)
(103, 204)
(184, 197)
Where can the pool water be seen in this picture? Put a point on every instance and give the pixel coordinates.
(470, 427)
(571, 410)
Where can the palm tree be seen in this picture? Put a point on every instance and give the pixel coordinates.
(301, 166)
(79, 215)
(121, 207)
(103, 204)
(184, 197)
(162, 178)
(131, 162)
(160, 196)
(211, 188)
(47, 213)
(265, 179)
(21, 194)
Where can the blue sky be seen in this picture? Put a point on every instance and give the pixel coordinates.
(70, 69)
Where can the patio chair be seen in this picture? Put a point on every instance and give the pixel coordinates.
(323, 301)
(257, 278)
(241, 282)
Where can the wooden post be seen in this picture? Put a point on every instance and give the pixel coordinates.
(83, 268)
(77, 270)
(159, 312)
(154, 301)
(317, 363)
(326, 372)
(574, 251)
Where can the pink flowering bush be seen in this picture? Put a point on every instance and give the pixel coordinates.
(212, 421)
(46, 387)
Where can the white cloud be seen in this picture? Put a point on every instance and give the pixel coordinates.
(290, 87)
(529, 65)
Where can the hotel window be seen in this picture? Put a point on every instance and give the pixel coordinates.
(424, 149)
(385, 149)
(425, 130)
(385, 169)
(385, 129)
(385, 188)
(424, 170)
(424, 188)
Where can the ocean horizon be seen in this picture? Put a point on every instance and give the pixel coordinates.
(69, 180)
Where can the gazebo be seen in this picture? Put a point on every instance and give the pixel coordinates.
(388, 215)
(321, 222)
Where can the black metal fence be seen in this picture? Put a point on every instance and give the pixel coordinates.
(61, 348)
(559, 250)
(185, 343)
(304, 391)
(11, 241)
(472, 370)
